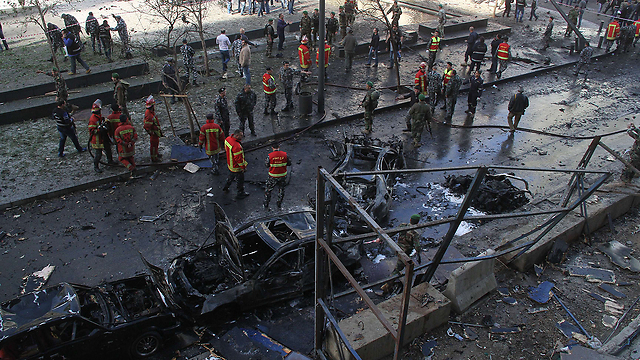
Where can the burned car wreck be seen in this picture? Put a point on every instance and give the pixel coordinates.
(69, 321)
(373, 192)
(262, 262)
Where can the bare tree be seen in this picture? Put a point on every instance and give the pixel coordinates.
(196, 12)
(374, 9)
(169, 12)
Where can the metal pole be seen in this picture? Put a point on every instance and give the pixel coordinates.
(321, 59)
(404, 309)
(321, 265)
(477, 180)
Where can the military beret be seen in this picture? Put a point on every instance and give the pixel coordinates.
(333, 13)
(370, 83)
(115, 75)
(415, 216)
(421, 97)
(305, 12)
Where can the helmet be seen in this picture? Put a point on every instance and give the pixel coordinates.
(150, 101)
(304, 39)
(423, 64)
(97, 105)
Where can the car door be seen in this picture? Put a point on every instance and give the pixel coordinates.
(281, 276)
(77, 338)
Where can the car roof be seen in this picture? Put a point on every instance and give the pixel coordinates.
(33, 309)
(301, 223)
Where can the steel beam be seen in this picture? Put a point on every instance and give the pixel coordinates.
(341, 335)
(321, 264)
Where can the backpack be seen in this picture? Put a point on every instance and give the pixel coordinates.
(375, 95)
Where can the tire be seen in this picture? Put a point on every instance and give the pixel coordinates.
(145, 345)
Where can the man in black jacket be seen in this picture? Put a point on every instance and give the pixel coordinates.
(494, 53)
(477, 55)
(518, 103)
(373, 48)
(66, 127)
(245, 102)
(471, 41)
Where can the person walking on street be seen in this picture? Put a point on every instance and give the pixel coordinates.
(121, 28)
(245, 62)
(477, 56)
(442, 19)
(494, 53)
(394, 40)
(221, 110)
(74, 48)
(72, 24)
(634, 157)
(169, 77)
(420, 79)
(281, 26)
(548, 32)
(332, 28)
(126, 137)
(585, 59)
(446, 77)
(277, 162)
(520, 5)
(471, 41)
(373, 48)
(55, 36)
(236, 163)
(99, 135)
(534, 7)
(627, 33)
(212, 138)
(92, 27)
(188, 62)
(432, 49)
(419, 114)
(396, 11)
(583, 7)
(452, 89)
(269, 87)
(152, 127)
(408, 241)
(517, 105)
(613, 32)
(66, 127)
(104, 32)
(573, 18)
(244, 104)
(434, 88)
(369, 103)
(413, 99)
(4, 41)
(504, 54)
(350, 43)
(269, 35)
(475, 91)
(223, 44)
(120, 93)
(342, 16)
(507, 7)
(236, 47)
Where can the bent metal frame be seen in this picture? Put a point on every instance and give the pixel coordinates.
(328, 185)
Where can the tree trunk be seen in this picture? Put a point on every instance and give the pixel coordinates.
(207, 72)
(43, 25)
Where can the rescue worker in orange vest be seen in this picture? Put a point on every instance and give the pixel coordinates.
(152, 126)
(613, 32)
(305, 57)
(269, 87)
(99, 135)
(125, 136)
(327, 53)
(236, 163)
(113, 120)
(434, 46)
(212, 137)
(637, 25)
(421, 78)
(503, 54)
(448, 73)
(277, 162)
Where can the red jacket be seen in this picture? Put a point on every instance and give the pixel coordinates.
(126, 137)
(151, 123)
(114, 122)
(278, 161)
(97, 142)
(235, 155)
(305, 57)
(421, 80)
(212, 137)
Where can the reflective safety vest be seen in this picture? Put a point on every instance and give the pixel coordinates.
(447, 76)
(305, 58)
(435, 43)
(278, 164)
(327, 53)
(211, 136)
(235, 155)
(613, 30)
(96, 140)
(126, 137)
(637, 25)
(265, 84)
(114, 122)
(503, 51)
(421, 80)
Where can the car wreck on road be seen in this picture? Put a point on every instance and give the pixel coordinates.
(69, 321)
(262, 262)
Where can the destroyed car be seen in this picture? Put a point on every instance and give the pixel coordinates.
(69, 321)
(373, 192)
(262, 262)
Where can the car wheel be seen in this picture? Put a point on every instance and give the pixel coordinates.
(145, 345)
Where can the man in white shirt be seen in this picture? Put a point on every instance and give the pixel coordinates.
(223, 43)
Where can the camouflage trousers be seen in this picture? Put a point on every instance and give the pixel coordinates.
(407, 249)
(416, 131)
(451, 107)
(628, 173)
(190, 71)
(368, 120)
(269, 47)
(272, 183)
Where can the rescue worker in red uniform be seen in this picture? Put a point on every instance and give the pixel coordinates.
(269, 86)
(152, 126)
(613, 33)
(327, 53)
(421, 78)
(305, 57)
(277, 162)
(98, 133)
(212, 137)
(448, 73)
(125, 136)
(113, 120)
(637, 36)
(236, 163)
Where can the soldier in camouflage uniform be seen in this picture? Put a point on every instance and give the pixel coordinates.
(277, 162)
(269, 34)
(121, 28)
(585, 58)
(236, 46)
(628, 174)
(55, 35)
(72, 24)
(408, 241)
(286, 77)
(369, 106)
(104, 32)
(350, 9)
(420, 114)
(315, 20)
(451, 95)
(221, 110)
(433, 89)
(305, 25)
(342, 17)
(627, 34)
(92, 27)
(245, 102)
(187, 59)
(442, 18)
(61, 86)
(332, 28)
(395, 10)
